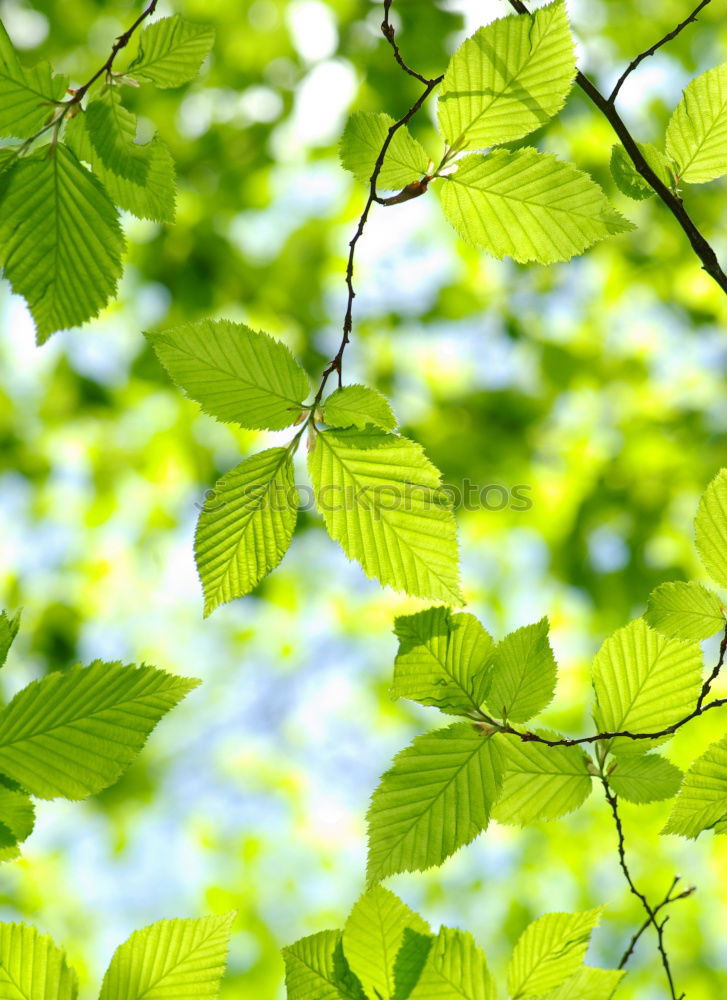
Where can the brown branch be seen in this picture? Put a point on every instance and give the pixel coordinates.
(657, 45)
(666, 901)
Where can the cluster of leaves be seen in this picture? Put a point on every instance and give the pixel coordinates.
(73, 733)
(172, 958)
(386, 951)
(61, 243)
(504, 82)
(379, 495)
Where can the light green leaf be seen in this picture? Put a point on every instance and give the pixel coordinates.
(711, 528)
(588, 984)
(685, 611)
(60, 239)
(112, 132)
(528, 206)
(647, 778)
(696, 136)
(171, 51)
(184, 959)
(316, 969)
(72, 734)
(410, 962)
(644, 682)
(629, 180)
(509, 78)
(549, 951)
(8, 630)
(456, 969)
(524, 673)
(373, 937)
(17, 816)
(381, 499)
(245, 527)
(358, 406)
(32, 967)
(540, 782)
(236, 374)
(702, 800)
(26, 95)
(436, 797)
(361, 143)
(443, 660)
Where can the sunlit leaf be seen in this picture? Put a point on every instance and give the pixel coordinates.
(549, 951)
(647, 778)
(702, 800)
(171, 51)
(316, 969)
(685, 611)
(711, 528)
(32, 967)
(362, 141)
(358, 406)
(588, 984)
(27, 96)
(8, 630)
(629, 180)
(540, 782)
(456, 969)
(696, 136)
(524, 673)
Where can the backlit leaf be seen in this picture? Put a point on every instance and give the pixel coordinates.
(362, 141)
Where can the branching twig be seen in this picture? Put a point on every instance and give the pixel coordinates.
(657, 45)
(666, 901)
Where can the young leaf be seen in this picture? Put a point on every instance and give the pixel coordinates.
(17, 816)
(316, 969)
(456, 969)
(26, 95)
(72, 734)
(696, 136)
(629, 180)
(60, 239)
(647, 778)
(361, 142)
(685, 611)
(528, 206)
(711, 528)
(112, 133)
(184, 959)
(539, 782)
(702, 800)
(507, 79)
(524, 674)
(549, 951)
(410, 962)
(358, 406)
(236, 374)
(373, 937)
(381, 499)
(32, 967)
(8, 630)
(436, 797)
(644, 682)
(245, 529)
(588, 984)
(443, 660)
(171, 51)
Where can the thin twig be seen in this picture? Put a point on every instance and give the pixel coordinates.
(666, 901)
(657, 45)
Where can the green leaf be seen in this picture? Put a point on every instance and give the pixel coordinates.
(8, 630)
(588, 984)
(373, 937)
(151, 198)
(456, 969)
(540, 782)
(443, 660)
(711, 528)
(60, 239)
(549, 951)
(72, 734)
(112, 133)
(26, 95)
(702, 800)
(246, 526)
(236, 374)
(509, 78)
(524, 673)
(647, 778)
(358, 406)
(644, 682)
(316, 969)
(17, 816)
(381, 499)
(696, 136)
(685, 611)
(361, 143)
(171, 51)
(410, 962)
(528, 206)
(436, 797)
(32, 967)
(629, 180)
(184, 959)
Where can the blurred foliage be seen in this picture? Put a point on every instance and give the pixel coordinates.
(598, 385)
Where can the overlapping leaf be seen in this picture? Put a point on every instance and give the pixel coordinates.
(647, 778)
(112, 133)
(524, 673)
(711, 528)
(316, 969)
(540, 782)
(549, 951)
(696, 136)
(685, 611)
(171, 51)
(588, 984)
(32, 967)
(27, 95)
(702, 801)
(456, 969)
(8, 630)
(362, 141)
(17, 816)
(358, 406)
(627, 177)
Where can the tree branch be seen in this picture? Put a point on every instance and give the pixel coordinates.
(666, 901)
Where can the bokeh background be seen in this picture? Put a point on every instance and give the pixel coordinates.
(598, 385)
